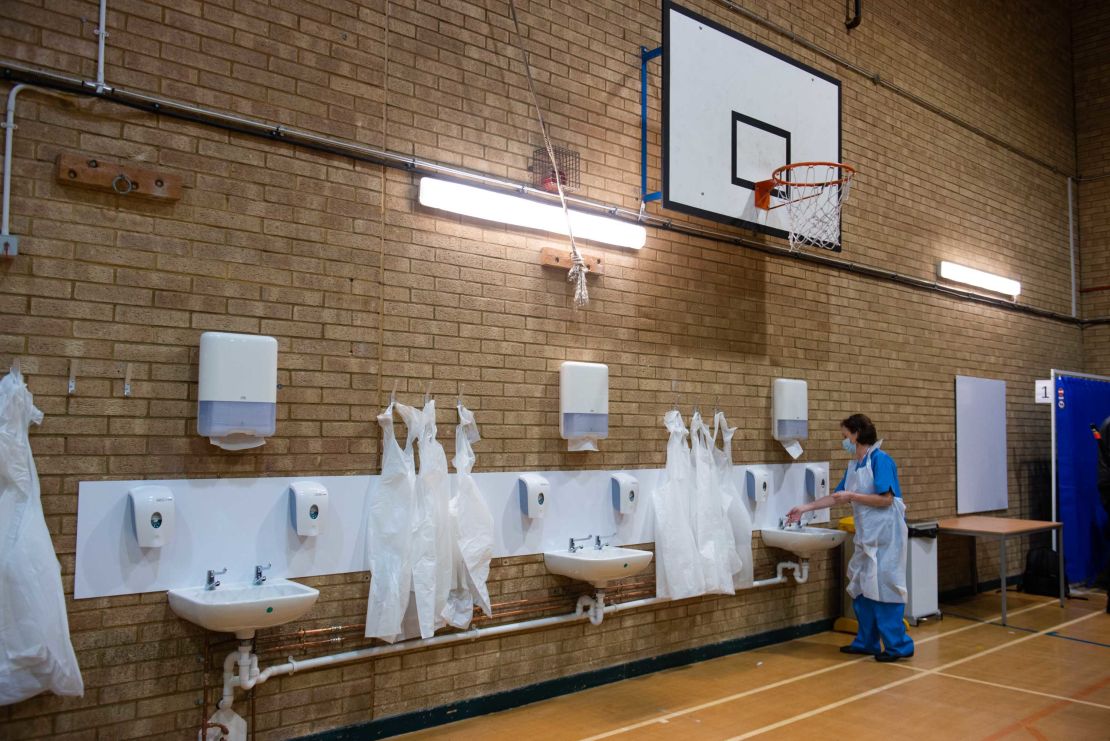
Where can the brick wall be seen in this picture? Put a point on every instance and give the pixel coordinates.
(1092, 112)
(363, 288)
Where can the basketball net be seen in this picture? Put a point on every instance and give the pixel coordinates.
(813, 194)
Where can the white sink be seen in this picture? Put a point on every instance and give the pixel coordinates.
(598, 567)
(243, 608)
(806, 541)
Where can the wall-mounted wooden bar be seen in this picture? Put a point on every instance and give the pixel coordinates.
(550, 257)
(115, 177)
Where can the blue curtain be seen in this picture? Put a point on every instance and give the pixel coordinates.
(1080, 403)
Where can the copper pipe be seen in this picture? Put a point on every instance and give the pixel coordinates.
(207, 724)
(1092, 289)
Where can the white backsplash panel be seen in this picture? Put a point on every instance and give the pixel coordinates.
(237, 523)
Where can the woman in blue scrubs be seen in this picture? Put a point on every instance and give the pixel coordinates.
(877, 571)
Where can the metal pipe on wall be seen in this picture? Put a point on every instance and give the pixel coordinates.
(186, 111)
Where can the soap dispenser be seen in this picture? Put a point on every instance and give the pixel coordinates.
(152, 515)
(817, 481)
(533, 491)
(624, 489)
(758, 481)
(310, 507)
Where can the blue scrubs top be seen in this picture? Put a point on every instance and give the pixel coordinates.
(886, 473)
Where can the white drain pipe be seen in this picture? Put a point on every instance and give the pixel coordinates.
(592, 608)
(101, 35)
(9, 132)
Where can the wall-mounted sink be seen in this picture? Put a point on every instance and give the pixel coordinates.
(243, 608)
(598, 567)
(804, 542)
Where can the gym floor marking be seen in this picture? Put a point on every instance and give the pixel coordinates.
(921, 673)
(666, 718)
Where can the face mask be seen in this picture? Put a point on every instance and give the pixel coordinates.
(849, 446)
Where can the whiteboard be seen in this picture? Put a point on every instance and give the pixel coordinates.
(981, 474)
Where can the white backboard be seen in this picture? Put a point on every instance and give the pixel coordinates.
(733, 111)
(981, 470)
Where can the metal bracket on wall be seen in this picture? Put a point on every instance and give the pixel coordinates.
(9, 245)
(646, 55)
(124, 180)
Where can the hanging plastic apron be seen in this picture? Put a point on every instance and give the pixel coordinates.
(433, 537)
(678, 572)
(473, 526)
(736, 507)
(715, 542)
(389, 529)
(878, 566)
(35, 649)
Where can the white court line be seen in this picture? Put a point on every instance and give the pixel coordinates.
(919, 669)
(782, 682)
(913, 678)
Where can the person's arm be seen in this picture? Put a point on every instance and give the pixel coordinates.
(869, 500)
(824, 502)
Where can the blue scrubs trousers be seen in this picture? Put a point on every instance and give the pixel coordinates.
(881, 619)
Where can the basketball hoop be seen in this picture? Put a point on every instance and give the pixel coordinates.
(813, 193)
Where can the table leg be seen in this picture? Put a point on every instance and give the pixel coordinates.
(974, 565)
(1060, 556)
(1002, 573)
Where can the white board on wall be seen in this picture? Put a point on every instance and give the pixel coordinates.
(981, 471)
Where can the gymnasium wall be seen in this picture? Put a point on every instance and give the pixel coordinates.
(363, 288)
(1091, 39)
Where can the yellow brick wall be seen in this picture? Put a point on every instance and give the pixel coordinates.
(363, 288)
(1092, 111)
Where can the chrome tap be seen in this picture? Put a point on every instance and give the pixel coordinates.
(258, 578)
(597, 541)
(210, 582)
(574, 548)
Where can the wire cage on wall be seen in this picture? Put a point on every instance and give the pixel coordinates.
(568, 162)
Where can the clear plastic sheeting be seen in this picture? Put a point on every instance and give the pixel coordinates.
(389, 529)
(714, 537)
(473, 529)
(433, 536)
(36, 654)
(735, 503)
(678, 570)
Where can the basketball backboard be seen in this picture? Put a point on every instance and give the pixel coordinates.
(733, 111)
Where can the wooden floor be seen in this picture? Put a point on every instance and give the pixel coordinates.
(1045, 676)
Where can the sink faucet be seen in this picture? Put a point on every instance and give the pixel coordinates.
(574, 548)
(210, 582)
(258, 578)
(597, 541)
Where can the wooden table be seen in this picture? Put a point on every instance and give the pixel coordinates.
(1002, 528)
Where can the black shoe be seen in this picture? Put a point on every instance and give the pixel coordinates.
(849, 649)
(884, 657)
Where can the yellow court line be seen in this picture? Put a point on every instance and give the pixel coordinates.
(782, 682)
(913, 678)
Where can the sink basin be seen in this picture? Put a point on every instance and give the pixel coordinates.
(598, 567)
(243, 608)
(805, 541)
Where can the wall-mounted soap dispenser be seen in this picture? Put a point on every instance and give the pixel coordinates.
(583, 404)
(626, 491)
(817, 481)
(237, 389)
(152, 515)
(533, 490)
(310, 507)
(758, 482)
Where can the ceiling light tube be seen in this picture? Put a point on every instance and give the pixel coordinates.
(490, 205)
(972, 277)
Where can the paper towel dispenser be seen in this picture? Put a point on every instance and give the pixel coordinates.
(583, 404)
(237, 389)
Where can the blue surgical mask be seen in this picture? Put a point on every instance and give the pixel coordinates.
(849, 446)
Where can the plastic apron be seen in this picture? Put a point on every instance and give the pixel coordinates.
(473, 526)
(35, 649)
(715, 542)
(878, 566)
(389, 528)
(736, 506)
(433, 542)
(678, 572)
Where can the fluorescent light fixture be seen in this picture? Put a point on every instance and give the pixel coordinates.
(991, 282)
(490, 205)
